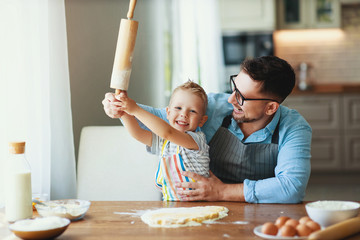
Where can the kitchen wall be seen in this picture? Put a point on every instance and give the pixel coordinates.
(333, 54)
(92, 29)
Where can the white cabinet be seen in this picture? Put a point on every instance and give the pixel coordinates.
(335, 121)
(304, 14)
(247, 15)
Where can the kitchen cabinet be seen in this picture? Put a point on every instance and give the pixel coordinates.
(247, 15)
(352, 130)
(305, 14)
(335, 121)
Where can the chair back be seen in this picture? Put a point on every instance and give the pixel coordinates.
(112, 166)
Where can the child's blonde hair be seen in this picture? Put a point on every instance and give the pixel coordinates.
(195, 89)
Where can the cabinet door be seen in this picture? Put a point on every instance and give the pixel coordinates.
(305, 14)
(247, 15)
(325, 13)
(352, 151)
(352, 112)
(321, 112)
(326, 151)
(291, 14)
(352, 130)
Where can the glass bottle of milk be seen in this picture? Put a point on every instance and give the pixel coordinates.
(18, 194)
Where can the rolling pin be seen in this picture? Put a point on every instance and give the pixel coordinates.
(121, 72)
(339, 230)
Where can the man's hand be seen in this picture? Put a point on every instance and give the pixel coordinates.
(111, 106)
(207, 189)
(210, 189)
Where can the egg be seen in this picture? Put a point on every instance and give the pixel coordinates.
(292, 222)
(303, 230)
(313, 225)
(287, 231)
(269, 228)
(280, 221)
(304, 219)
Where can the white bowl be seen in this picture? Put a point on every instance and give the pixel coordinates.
(327, 213)
(39, 228)
(73, 209)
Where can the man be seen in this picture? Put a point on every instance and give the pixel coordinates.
(259, 149)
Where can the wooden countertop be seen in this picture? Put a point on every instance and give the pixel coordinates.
(328, 88)
(121, 220)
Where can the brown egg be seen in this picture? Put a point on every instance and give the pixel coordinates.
(303, 230)
(280, 221)
(304, 219)
(292, 222)
(313, 225)
(269, 228)
(287, 231)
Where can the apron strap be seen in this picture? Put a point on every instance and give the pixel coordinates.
(226, 121)
(275, 136)
(163, 147)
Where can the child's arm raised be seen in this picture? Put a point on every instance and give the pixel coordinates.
(142, 135)
(157, 125)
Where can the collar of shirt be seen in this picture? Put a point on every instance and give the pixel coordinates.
(263, 135)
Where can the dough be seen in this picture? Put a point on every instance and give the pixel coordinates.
(183, 217)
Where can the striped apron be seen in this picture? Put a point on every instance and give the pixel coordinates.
(169, 173)
(233, 161)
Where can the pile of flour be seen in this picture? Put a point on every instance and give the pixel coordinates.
(39, 224)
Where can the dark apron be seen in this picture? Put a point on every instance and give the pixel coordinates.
(234, 161)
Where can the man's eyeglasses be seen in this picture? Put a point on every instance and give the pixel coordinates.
(240, 98)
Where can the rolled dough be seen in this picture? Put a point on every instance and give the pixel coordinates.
(183, 217)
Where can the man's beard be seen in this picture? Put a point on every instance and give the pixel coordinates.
(243, 119)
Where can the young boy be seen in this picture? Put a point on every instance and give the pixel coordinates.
(179, 145)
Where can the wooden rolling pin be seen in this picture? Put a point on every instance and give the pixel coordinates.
(339, 230)
(120, 76)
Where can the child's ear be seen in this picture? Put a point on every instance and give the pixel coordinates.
(203, 120)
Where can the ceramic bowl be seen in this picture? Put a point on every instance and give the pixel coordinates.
(327, 213)
(73, 209)
(39, 228)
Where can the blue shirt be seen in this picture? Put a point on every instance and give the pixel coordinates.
(293, 164)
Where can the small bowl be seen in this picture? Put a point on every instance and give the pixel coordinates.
(31, 229)
(327, 213)
(73, 209)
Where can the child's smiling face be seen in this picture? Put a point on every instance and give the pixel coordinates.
(186, 111)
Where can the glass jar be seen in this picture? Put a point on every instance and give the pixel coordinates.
(18, 195)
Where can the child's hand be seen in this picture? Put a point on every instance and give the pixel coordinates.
(127, 104)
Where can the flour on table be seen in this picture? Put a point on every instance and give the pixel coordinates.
(183, 217)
